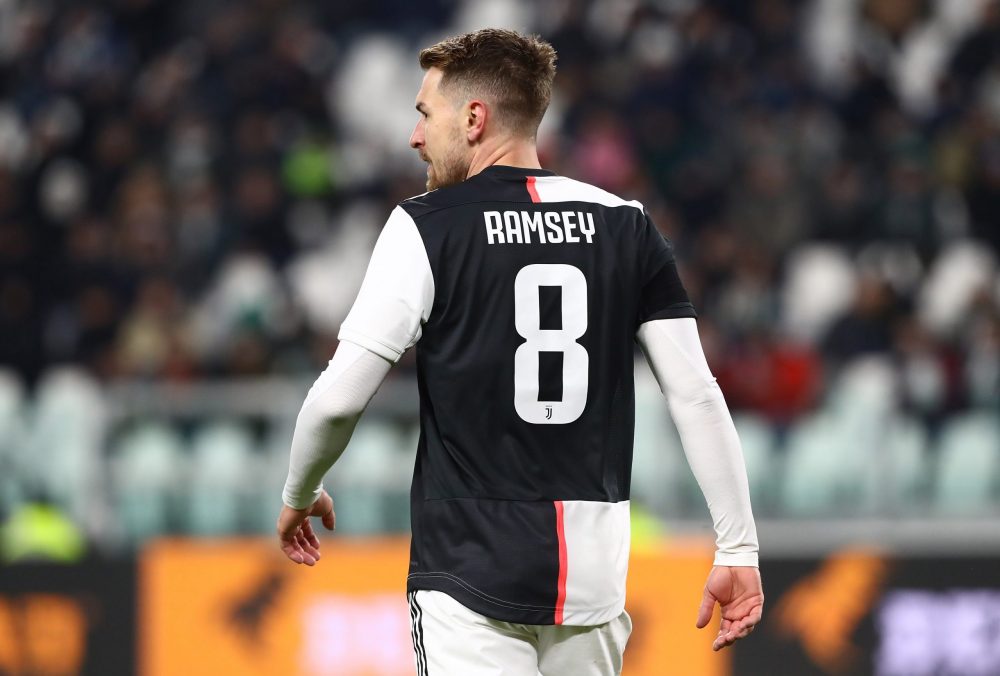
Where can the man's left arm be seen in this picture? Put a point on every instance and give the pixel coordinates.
(322, 430)
(394, 302)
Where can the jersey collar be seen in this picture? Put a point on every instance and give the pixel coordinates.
(504, 171)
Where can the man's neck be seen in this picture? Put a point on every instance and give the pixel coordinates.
(510, 153)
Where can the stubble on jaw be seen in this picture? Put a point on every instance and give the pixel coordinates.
(448, 170)
(444, 174)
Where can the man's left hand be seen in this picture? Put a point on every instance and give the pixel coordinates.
(295, 532)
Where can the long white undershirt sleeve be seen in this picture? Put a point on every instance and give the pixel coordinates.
(328, 417)
(386, 319)
(711, 444)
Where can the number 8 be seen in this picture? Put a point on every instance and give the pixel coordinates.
(527, 321)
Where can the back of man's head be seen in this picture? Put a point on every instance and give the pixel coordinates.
(510, 71)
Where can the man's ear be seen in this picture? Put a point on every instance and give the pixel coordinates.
(475, 120)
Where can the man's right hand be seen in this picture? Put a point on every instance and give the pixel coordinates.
(738, 591)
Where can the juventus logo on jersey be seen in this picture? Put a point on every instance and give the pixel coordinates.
(548, 413)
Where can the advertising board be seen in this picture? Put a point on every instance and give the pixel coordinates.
(63, 620)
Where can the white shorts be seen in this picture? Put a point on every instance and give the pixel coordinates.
(451, 640)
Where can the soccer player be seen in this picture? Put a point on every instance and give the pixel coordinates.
(524, 293)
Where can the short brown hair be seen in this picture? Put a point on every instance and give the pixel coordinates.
(511, 70)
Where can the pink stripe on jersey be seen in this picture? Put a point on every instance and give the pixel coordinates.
(561, 534)
(532, 191)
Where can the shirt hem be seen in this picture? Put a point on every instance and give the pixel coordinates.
(378, 347)
(509, 611)
(679, 311)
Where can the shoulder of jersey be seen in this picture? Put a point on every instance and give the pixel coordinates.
(442, 198)
(548, 189)
(563, 189)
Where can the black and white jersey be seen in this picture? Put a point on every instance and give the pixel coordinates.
(522, 291)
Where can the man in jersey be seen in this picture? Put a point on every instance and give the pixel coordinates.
(524, 293)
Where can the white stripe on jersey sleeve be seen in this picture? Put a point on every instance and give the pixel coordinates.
(562, 189)
(597, 543)
(397, 294)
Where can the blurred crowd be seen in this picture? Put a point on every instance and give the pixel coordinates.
(190, 190)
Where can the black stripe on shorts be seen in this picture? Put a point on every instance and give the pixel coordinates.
(417, 633)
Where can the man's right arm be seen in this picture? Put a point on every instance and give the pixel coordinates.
(711, 445)
(712, 448)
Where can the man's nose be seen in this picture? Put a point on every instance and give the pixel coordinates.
(417, 137)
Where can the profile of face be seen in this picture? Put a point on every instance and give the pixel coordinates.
(439, 136)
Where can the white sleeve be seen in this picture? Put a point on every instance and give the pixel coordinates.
(327, 419)
(397, 294)
(711, 445)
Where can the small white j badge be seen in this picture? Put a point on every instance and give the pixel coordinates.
(548, 413)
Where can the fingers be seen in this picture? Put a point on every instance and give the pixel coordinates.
(294, 539)
(295, 532)
(311, 552)
(738, 591)
(291, 553)
(732, 632)
(323, 507)
(726, 640)
(294, 552)
(307, 529)
(298, 549)
(705, 610)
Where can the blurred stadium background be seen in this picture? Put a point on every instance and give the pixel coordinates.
(189, 192)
